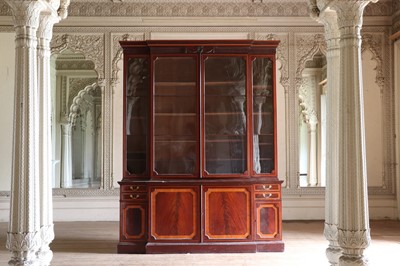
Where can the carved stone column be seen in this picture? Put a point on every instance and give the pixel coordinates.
(353, 229)
(312, 175)
(23, 237)
(329, 19)
(47, 20)
(66, 155)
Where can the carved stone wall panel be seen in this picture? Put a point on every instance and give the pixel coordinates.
(91, 45)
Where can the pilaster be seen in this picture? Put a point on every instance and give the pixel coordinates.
(23, 237)
(353, 224)
(329, 19)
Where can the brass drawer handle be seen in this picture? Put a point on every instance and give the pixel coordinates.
(265, 187)
(266, 196)
(134, 188)
(134, 196)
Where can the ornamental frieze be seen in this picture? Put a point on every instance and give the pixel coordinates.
(265, 8)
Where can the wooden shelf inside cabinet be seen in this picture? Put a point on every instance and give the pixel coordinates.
(200, 148)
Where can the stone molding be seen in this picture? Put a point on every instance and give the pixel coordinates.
(23, 242)
(76, 102)
(74, 65)
(76, 85)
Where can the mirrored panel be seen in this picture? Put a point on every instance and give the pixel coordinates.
(76, 122)
(312, 123)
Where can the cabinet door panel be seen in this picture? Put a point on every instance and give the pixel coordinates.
(227, 213)
(174, 213)
(225, 116)
(133, 217)
(263, 116)
(175, 116)
(136, 113)
(268, 220)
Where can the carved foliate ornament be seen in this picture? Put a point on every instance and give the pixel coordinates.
(91, 46)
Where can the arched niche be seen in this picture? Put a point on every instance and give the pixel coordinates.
(76, 120)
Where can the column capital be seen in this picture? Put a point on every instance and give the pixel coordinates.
(26, 13)
(47, 21)
(350, 12)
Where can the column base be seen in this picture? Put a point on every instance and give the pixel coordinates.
(348, 260)
(24, 259)
(333, 254)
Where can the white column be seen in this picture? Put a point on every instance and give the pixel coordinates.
(66, 156)
(329, 19)
(47, 21)
(397, 92)
(353, 228)
(23, 237)
(312, 174)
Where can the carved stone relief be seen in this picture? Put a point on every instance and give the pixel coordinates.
(117, 50)
(92, 46)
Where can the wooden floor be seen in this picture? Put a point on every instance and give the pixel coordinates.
(94, 243)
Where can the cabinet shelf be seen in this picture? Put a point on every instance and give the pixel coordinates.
(225, 113)
(175, 114)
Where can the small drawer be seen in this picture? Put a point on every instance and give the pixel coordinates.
(267, 187)
(133, 188)
(134, 196)
(267, 195)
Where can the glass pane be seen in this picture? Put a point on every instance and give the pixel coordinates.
(225, 115)
(137, 89)
(263, 116)
(175, 115)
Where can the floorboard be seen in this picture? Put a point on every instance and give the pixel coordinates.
(94, 243)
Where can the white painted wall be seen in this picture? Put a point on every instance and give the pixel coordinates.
(7, 70)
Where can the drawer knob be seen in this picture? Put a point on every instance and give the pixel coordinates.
(134, 196)
(134, 187)
(266, 187)
(266, 196)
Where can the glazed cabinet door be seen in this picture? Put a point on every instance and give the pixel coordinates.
(175, 117)
(225, 130)
(264, 122)
(174, 214)
(227, 213)
(136, 106)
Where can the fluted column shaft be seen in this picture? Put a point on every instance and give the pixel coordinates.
(353, 226)
(329, 19)
(312, 175)
(47, 21)
(66, 155)
(23, 237)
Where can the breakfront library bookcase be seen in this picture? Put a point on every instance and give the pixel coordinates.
(200, 160)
